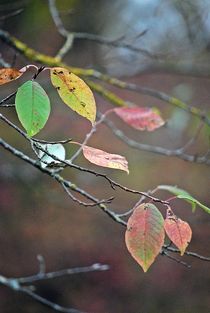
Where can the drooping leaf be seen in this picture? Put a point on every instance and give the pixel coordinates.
(178, 231)
(32, 106)
(182, 194)
(141, 118)
(102, 158)
(175, 190)
(56, 150)
(9, 74)
(74, 92)
(145, 234)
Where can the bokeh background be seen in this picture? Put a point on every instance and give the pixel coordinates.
(36, 215)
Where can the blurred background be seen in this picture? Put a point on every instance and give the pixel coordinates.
(37, 217)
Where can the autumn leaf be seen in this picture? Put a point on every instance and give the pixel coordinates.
(32, 106)
(74, 92)
(178, 231)
(9, 74)
(141, 118)
(145, 234)
(102, 158)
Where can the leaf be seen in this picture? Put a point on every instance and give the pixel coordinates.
(105, 159)
(32, 106)
(178, 231)
(74, 92)
(140, 118)
(9, 74)
(182, 194)
(57, 150)
(145, 234)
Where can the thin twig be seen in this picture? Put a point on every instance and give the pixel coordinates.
(61, 180)
(17, 284)
(65, 272)
(67, 163)
(85, 203)
(164, 253)
(156, 149)
(188, 253)
(71, 36)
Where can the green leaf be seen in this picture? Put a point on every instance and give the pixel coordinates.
(32, 106)
(182, 194)
(74, 92)
(145, 234)
(175, 190)
(56, 150)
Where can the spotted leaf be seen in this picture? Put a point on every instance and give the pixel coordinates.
(74, 92)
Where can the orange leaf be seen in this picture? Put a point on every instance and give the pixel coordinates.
(9, 74)
(178, 231)
(105, 159)
(140, 118)
(145, 234)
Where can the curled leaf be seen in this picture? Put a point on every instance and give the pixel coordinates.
(102, 158)
(182, 194)
(74, 92)
(178, 231)
(145, 234)
(141, 118)
(56, 150)
(9, 74)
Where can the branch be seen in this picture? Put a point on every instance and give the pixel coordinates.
(35, 56)
(179, 152)
(62, 181)
(68, 163)
(116, 217)
(188, 253)
(17, 284)
(71, 36)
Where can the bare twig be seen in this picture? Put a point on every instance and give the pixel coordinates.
(68, 163)
(71, 36)
(70, 271)
(17, 284)
(179, 152)
(61, 180)
(188, 253)
(85, 203)
(164, 253)
(6, 16)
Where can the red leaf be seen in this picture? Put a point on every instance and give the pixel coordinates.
(9, 74)
(140, 118)
(105, 159)
(145, 234)
(178, 231)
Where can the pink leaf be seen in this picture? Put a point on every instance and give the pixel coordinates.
(141, 118)
(105, 159)
(178, 231)
(145, 234)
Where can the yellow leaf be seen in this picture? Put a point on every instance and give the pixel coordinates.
(74, 92)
